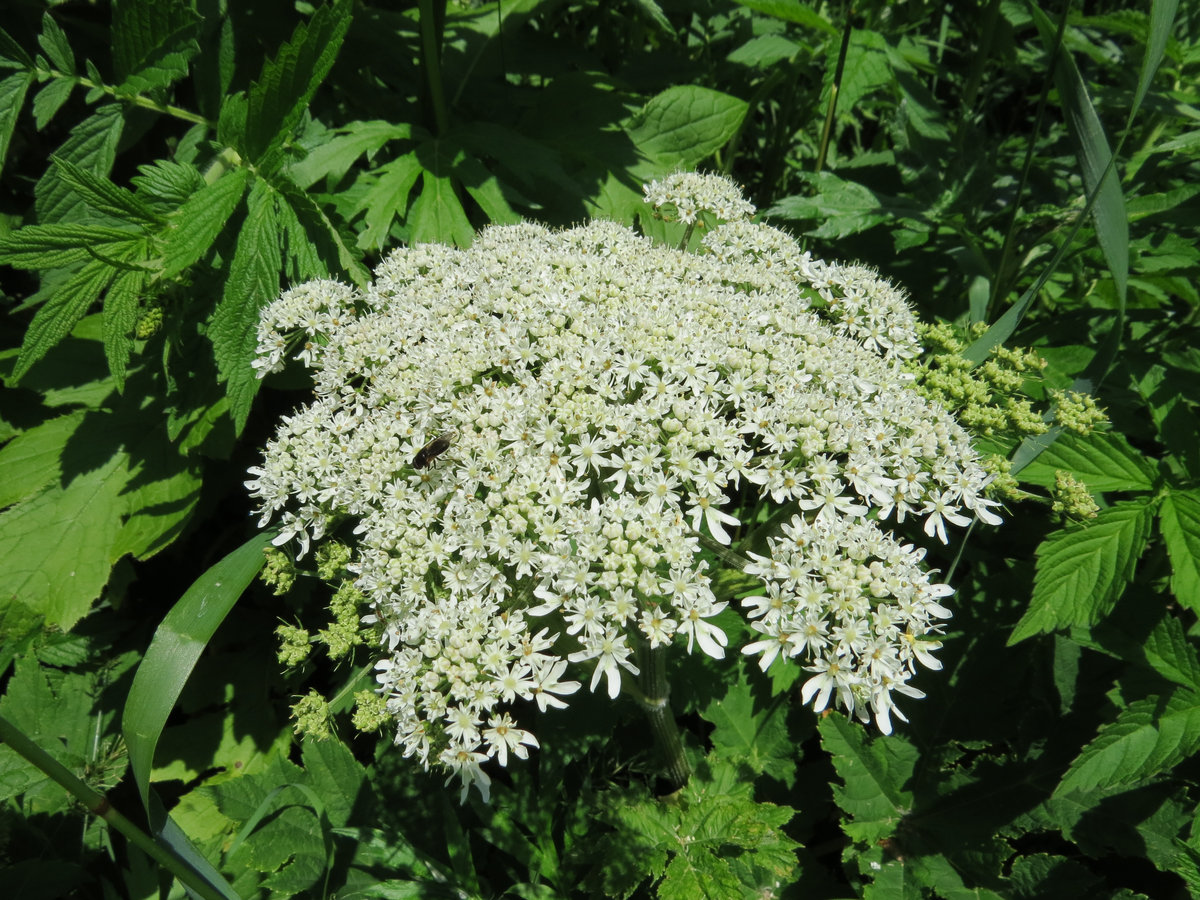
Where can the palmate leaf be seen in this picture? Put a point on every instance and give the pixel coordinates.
(1148, 738)
(437, 215)
(387, 198)
(1082, 571)
(874, 773)
(253, 283)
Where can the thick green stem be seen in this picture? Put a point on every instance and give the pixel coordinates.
(97, 804)
(653, 695)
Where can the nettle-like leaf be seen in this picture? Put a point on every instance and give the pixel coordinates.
(253, 282)
(1104, 461)
(276, 102)
(92, 145)
(874, 774)
(152, 44)
(12, 97)
(1179, 520)
(105, 197)
(1148, 738)
(194, 227)
(1083, 570)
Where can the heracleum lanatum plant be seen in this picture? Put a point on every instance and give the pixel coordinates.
(539, 445)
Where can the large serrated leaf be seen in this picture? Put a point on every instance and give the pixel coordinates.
(31, 460)
(387, 198)
(874, 774)
(58, 315)
(197, 223)
(54, 548)
(253, 283)
(315, 245)
(1150, 737)
(1102, 461)
(684, 125)
(1082, 571)
(1179, 520)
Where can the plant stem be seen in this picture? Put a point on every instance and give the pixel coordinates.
(653, 695)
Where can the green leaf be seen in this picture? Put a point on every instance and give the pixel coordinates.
(437, 216)
(1179, 521)
(104, 196)
(278, 99)
(92, 146)
(387, 198)
(54, 41)
(195, 226)
(31, 460)
(485, 189)
(1104, 461)
(58, 315)
(171, 182)
(14, 53)
(315, 245)
(873, 773)
(1148, 738)
(152, 43)
(253, 283)
(333, 157)
(177, 644)
(55, 246)
(1099, 178)
(49, 100)
(686, 124)
(120, 314)
(840, 207)
(12, 98)
(792, 11)
(760, 740)
(1171, 654)
(54, 548)
(1082, 571)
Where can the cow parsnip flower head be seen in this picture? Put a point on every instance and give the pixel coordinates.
(531, 438)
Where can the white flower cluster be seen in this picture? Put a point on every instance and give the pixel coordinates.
(687, 194)
(530, 438)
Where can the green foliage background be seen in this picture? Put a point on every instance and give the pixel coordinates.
(168, 166)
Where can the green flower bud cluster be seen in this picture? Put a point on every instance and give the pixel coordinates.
(986, 398)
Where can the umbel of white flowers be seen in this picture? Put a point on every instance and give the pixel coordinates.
(531, 438)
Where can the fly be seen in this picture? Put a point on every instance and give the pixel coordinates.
(431, 451)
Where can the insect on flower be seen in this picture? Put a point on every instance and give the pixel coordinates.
(431, 451)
